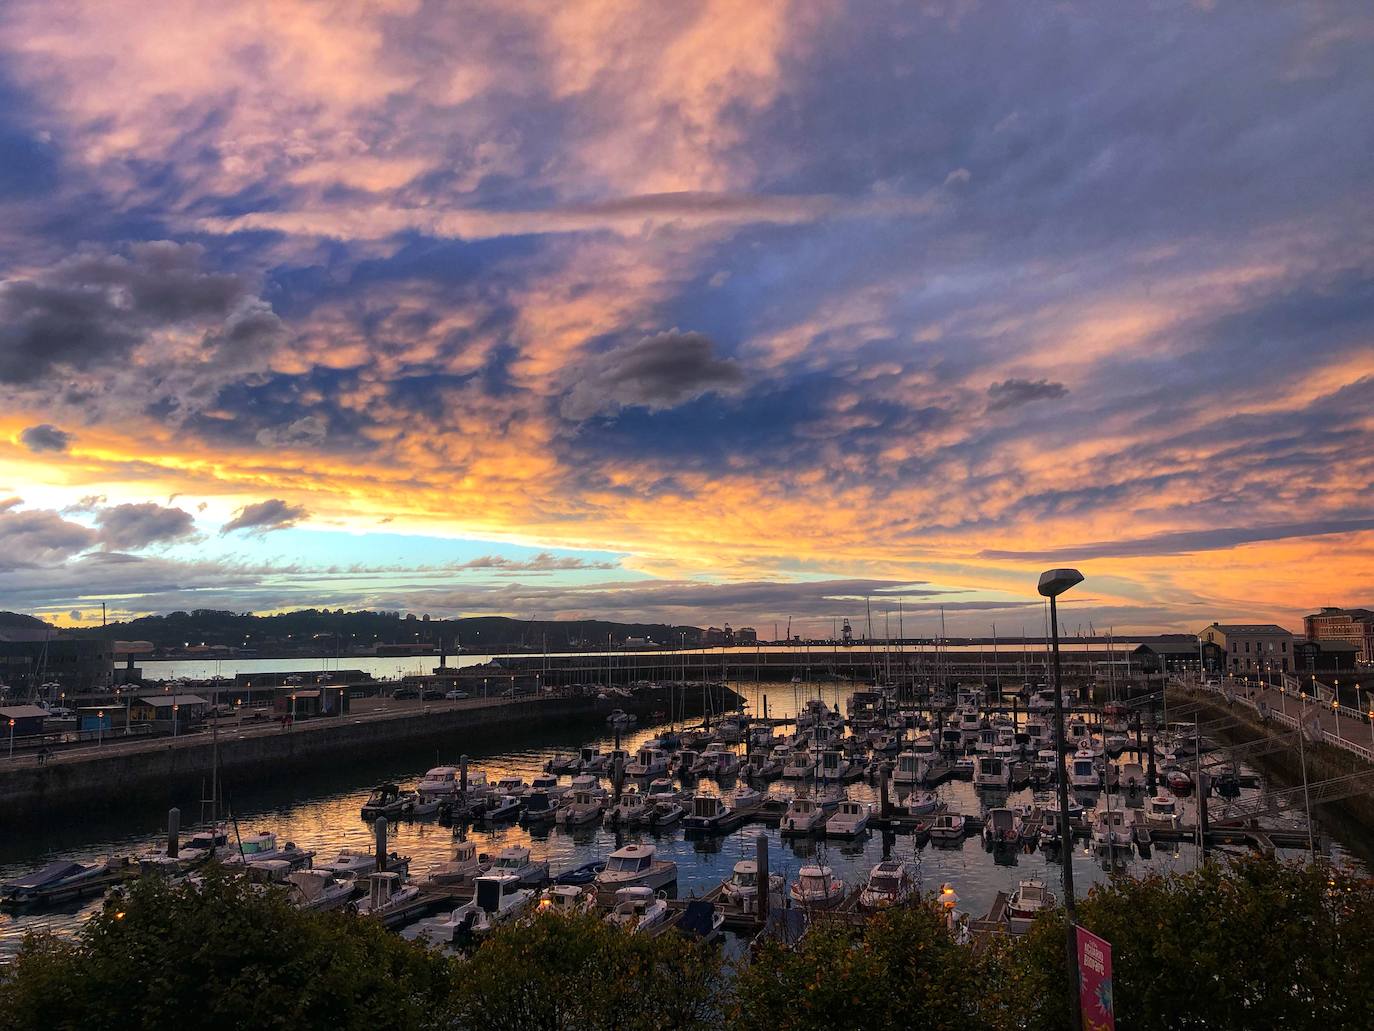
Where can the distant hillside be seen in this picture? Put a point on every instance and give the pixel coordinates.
(18, 619)
(323, 630)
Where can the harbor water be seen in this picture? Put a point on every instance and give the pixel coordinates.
(320, 811)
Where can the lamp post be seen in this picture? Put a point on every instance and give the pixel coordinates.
(11, 739)
(1053, 583)
(99, 727)
(175, 709)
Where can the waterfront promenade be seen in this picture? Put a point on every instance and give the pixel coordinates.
(1337, 725)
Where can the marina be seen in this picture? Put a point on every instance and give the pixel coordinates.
(985, 839)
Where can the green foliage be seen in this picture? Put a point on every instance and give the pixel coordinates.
(902, 969)
(223, 956)
(581, 974)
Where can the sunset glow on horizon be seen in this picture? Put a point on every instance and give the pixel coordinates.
(703, 312)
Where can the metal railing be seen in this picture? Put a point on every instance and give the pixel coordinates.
(1335, 740)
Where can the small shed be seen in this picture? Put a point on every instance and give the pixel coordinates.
(22, 720)
(183, 709)
(302, 702)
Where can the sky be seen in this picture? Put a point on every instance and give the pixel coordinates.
(695, 312)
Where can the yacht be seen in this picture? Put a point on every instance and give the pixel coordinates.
(710, 813)
(686, 761)
(440, 782)
(356, 863)
(1131, 776)
(568, 899)
(991, 771)
(816, 887)
(799, 766)
(803, 816)
(1110, 832)
(947, 827)
(503, 808)
(911, 769)
(1083, 774)
(318, 889)
(1030, 899)
(636, 866)
(638, 910)
(386, 893)
(648, 762)
(541, 807)
(922, 803)
(515, 860)
(496, 899)
(741, 890)
(1164, 809)
(849, 821)
(832, 766)
(1000, 829)
(51, 883)
(630, 811)
(564, 762)
(621, 720)
(386, 800)
(585, 807)
(889, 884)
(463, 868)
(197, 849)
(261, 847)
(510, 786)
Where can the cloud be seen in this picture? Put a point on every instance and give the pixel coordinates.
(139, 525)
(658, 372)
(1013, 393)
(45, 437)
(38, 538)
(307, 431)
(262, 516)
(544, 562)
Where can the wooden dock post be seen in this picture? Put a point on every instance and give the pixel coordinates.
(761, 858)
(174, 832)
(379, 840)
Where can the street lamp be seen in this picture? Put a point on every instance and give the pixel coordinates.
(11, 739)
(1053, 583)
(175, 709)
(99, 727)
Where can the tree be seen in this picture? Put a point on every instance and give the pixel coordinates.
(222, 955)
(581, 974)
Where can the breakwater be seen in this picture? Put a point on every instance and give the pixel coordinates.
(121, 771)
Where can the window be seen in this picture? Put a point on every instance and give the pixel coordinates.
(1283, 646)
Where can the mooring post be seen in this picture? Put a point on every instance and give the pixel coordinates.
(882, 790)
(1204, 785)
(1150, 762)
(463, 775)
(174, 833)
(379, 835)
(617, 778)
(761, 860)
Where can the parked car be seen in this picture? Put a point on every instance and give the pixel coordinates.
(456, 696)
(404, 693)
(431, 695)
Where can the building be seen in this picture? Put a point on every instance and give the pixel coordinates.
(746, 635)
(19, 721)
(1251, 648)
(302, 702)
(77, 665)
(1180, 657)
(168, 710)
(713, 637)
(1321, 657)
(1355, 626)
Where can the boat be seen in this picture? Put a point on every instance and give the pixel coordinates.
(991, 771)
(440, 782)
(963, 768)
(588, 782)
(58, 880)
(585, 807)
(197, 849)
(889, 884)
(592, 760)
(648, 762)
(1083, 773)
(463, 868)
(763, 767)
(636, 866)
(621, 719)
(662, 789)
(541, 807)
(386, 800)
(1131, 776)
(710, 813)
(664, 813)
(741, 889)
(564, 762)
(911, 768)
(746, 799)
(803, 816)
(720, 762)
(1000, 829)
(262, 847)
(496, 899)
(1050, 822)
(386, 893)
(630, 811)
(1164, 809)
(1030, 899)
(638, 910)
(351, 863)
(568, 900)
(1115, 744)
(686, 761)
(503, 808)
(1179, 782)
(318, 890)
(816, 887)
(510, 786)
(849, 820)
(1110, 833)
(922, 803)
(584, 874)
(515, 860)
(800, 765)
(833, 766)
(947, 827)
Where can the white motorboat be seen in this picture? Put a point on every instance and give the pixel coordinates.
(1131, 777)
(621, 719)
(54, 882)
(387, 800)
(262, 847)
(664, 813)
(746, 799)
(630, 811)
(800, 765)
(685, 762)
(910, 769)
(564, 762)
(196, 850)
(947, 827)
(710, 813)
(1083, 774)
(831, 765)
(593, 760)
(648, 762)
(515, 860)
(496, 899)
(585, 807)
(922, 803)
(544, 782)
(662, 789)
(638, 910)
(1000, 829)
(465, 866)
(1163, 809)
(816, 887)
(510, 785)
(1030, 899)
(763, 767)
(721, 762)
(741, 889)
(849, 820)
(438, 783)
(503, 808)
(356, 863)
(991, 771)
(568, 899)
(319, 889)
(541, 807)
(386, 893)
(1110, 832)
(636, 866)
(890, 883)
(803, 816)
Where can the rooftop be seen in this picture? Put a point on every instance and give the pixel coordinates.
(1249, 628)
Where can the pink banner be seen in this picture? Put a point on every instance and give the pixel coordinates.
(1095, 982)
